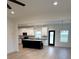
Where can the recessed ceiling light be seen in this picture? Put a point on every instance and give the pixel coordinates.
(55, 3)
(12, 12)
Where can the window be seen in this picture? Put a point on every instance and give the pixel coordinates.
(64, 36)
(38, 34)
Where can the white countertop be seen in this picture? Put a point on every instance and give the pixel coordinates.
(32, 39)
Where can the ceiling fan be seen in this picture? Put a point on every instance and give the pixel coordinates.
(15, 1)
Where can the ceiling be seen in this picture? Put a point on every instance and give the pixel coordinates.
(40, 8)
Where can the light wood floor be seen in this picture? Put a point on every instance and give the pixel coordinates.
(45, 53)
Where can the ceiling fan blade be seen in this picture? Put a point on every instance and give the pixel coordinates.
(8, 6)
(17, 2)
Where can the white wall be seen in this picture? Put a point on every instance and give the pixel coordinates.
(11, 36)
(58, 28)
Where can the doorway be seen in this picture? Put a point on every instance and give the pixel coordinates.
(51, 37)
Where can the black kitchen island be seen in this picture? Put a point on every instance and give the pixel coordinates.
(32, 43)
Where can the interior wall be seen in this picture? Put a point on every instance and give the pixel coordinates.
(57, 28)
(11, 36)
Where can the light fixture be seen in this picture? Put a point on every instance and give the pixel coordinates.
(12, 12)
(55, 3)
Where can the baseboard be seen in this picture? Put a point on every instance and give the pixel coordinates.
(12, 52)
(62, 47)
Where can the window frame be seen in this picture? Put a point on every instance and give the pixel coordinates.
(38, 36)
(66, 39)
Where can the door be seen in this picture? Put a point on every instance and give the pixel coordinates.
(51, 37)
